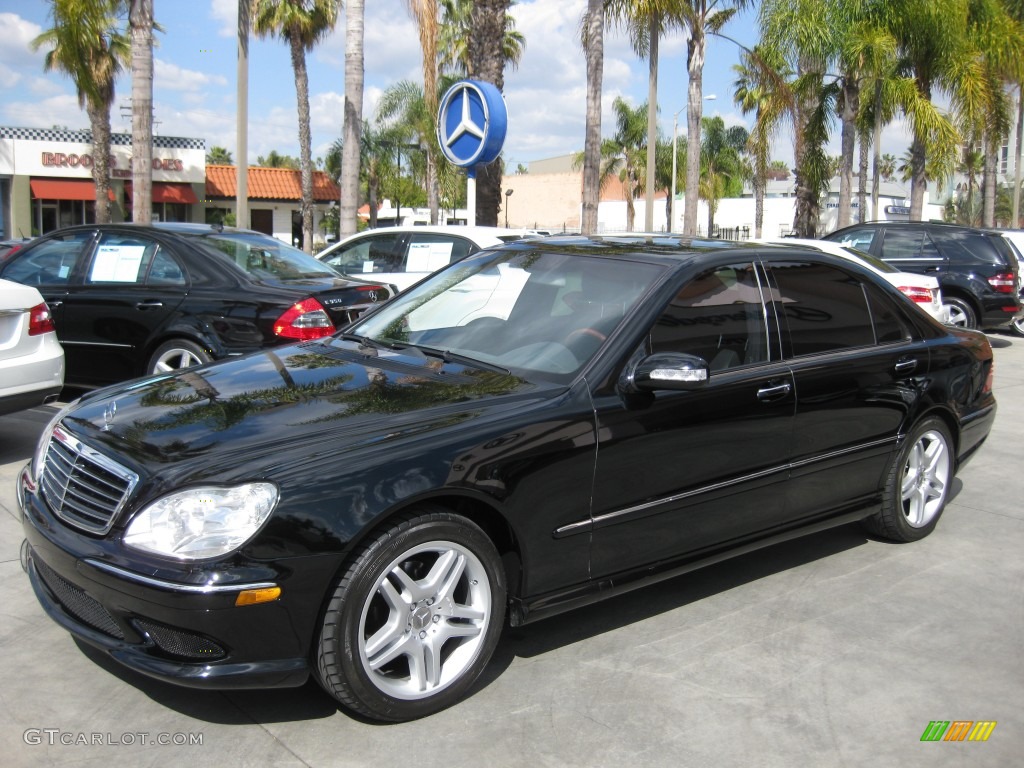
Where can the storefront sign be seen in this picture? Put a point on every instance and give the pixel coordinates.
(72, 160)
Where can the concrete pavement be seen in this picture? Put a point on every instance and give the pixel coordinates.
(836, 650)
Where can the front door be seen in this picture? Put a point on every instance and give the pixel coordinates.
(681, 473)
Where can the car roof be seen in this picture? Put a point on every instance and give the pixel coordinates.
(916, 224)
(481, 234)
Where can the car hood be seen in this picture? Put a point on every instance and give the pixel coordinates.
(324, 395)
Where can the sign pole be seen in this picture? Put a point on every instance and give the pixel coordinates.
(471, 196)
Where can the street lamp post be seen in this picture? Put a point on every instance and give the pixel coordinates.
(508, 194)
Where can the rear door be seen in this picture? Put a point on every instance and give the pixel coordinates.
(684, 472)
(858, 369)
(129, 289)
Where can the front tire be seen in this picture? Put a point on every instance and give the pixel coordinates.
(414, 619)
(917, 488)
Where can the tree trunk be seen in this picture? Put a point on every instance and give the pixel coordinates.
(140, 17)
(485, 52)
(862, 177)
(305, 141)
(99, 120)
(695, 51)
(918, 159)
(652, 123)
(808, 203)
(988, 212)
(1016, 157)
(352, 122)
(594, 43)
(848, 143)
(876, 167)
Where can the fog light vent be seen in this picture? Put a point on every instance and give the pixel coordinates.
(176, 642)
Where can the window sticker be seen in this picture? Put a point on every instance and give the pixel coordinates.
(117, 264)
(367, 266)
(428, 257)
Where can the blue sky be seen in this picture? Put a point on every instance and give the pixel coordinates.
(195, 64)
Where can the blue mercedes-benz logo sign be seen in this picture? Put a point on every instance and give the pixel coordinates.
(471, 123)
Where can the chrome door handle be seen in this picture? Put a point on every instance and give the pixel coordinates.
(150, 304)
(774, 392)
(906, 365)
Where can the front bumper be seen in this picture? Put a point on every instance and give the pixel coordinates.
(189, 634)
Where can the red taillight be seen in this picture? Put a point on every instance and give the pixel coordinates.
(40, 320)
(304, 320)
(917, 294)
(1004, 282)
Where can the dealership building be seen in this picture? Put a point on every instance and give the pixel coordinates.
(46, 183)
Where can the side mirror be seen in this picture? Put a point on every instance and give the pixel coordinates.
(667, 370)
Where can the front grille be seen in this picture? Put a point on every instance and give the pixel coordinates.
(82, 486)
(76, 602)
(179, 643)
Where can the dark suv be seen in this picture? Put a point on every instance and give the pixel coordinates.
(976, 269)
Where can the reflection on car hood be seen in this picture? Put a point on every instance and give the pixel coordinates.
(328, 391)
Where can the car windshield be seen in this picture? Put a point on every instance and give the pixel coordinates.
(524, 311)
(265, 257)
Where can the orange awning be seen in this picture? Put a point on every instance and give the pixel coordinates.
(64, 189)
(168, 192)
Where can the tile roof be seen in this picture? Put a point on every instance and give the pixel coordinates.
(269, 184)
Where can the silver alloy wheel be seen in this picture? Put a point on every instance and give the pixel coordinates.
(957, 317)
(1018, 326)
(176, 358)
(925, 480)
(425, 622)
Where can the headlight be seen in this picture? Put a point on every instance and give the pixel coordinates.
(202, 522)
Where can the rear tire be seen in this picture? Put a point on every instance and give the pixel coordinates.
(176, 354)
(414, 619)
(1017, 326)
(917, 488)
(961, 313)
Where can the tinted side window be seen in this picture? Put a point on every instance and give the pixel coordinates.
(890, 324)
(824, 308)
(908, 244)
(718, 316)
(971, 248)
(49, 263)
(164, 270)
(430, 252)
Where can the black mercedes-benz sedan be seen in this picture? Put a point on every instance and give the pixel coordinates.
(533, 428)
(130, 300)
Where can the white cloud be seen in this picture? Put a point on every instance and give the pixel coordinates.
(16, 36)
(171, 77)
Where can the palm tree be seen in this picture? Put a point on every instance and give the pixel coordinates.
(971, 165)
(219, 156)
(425, 12)
(592, 37)
(275, 159)
(630, 145)
(487, 62)
(454, 33)
(721, 167)
(887, 167)
(140, 21)
(86, 45)
(352, 121)
(700, 18)
(302, 24)
(646, 21)
(759, 88)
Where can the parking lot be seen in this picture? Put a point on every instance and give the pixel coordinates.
(834, 650)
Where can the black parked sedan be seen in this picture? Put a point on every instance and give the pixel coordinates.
(129, 300)
(534, 428)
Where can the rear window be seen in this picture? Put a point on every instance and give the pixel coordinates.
(974, 248)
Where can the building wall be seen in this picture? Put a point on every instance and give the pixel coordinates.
(542, 201)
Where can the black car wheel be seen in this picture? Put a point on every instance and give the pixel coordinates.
(175, 354)
(414, 619)
(917, 488)
(961, 313)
